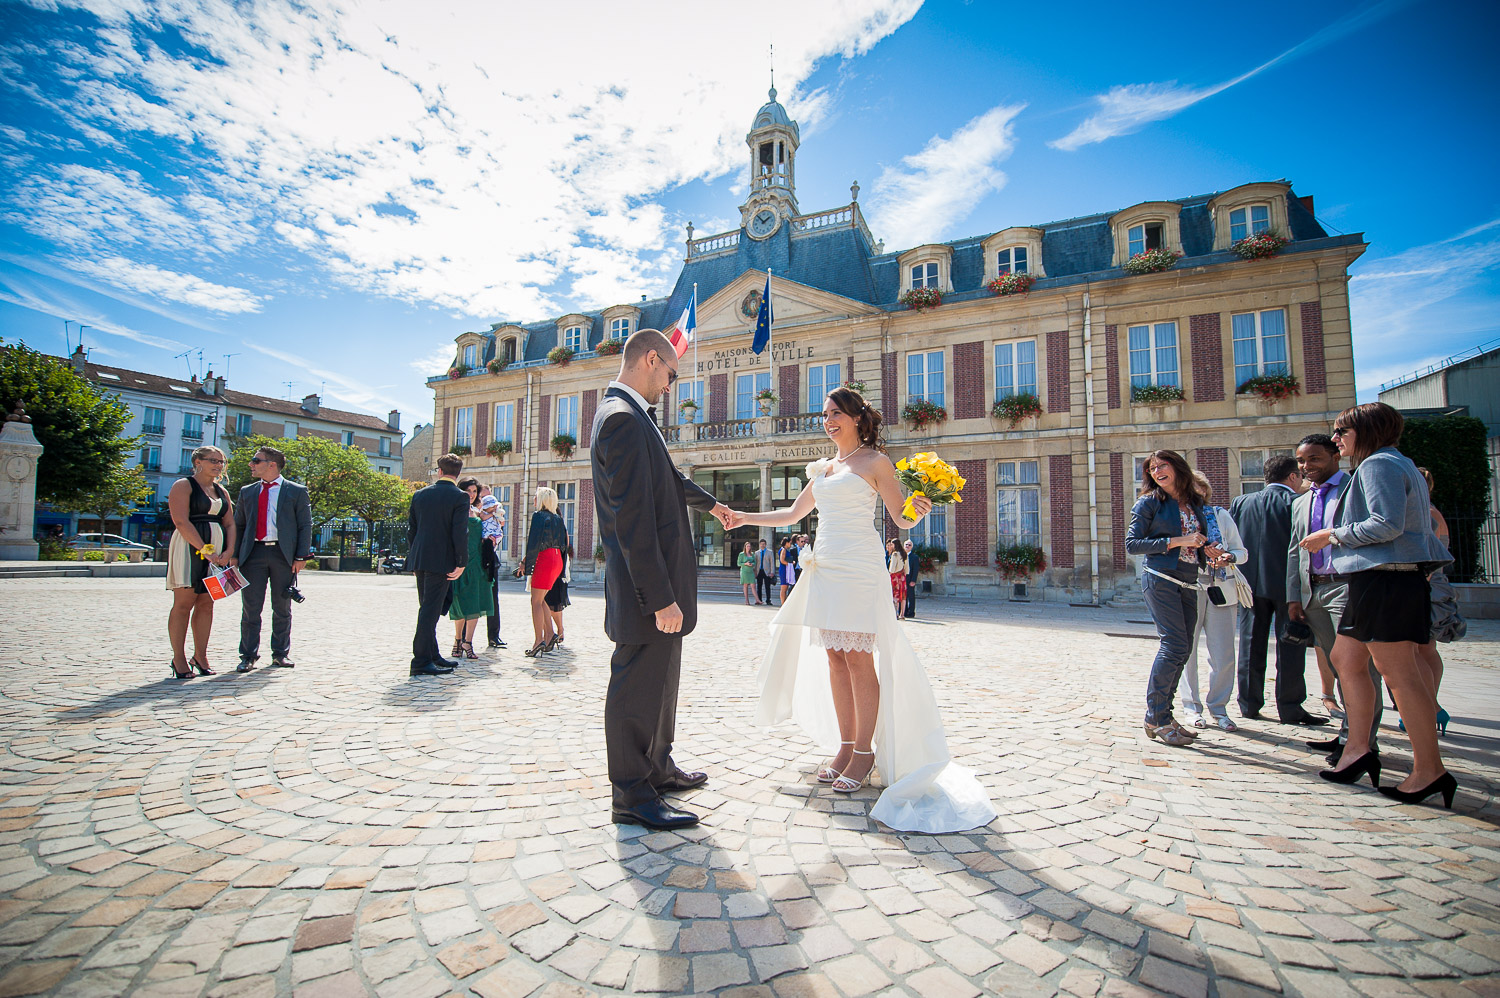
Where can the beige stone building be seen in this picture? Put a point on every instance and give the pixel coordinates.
(1084, 341)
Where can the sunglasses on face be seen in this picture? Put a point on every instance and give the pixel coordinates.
(257, 460)
(212, 460)
(1339, 431)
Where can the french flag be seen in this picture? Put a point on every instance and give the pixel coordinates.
(686, 328)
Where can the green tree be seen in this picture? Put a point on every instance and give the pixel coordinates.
(379, 496)
(331, 471)
(121, 492)
(79, 424)
(1453, 449)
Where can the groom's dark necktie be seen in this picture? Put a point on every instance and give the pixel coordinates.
(651, 411)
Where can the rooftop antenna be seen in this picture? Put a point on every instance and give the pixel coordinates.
(184, 358)
(289, 385)
(68, 334)
(226, 364)
(81, 328)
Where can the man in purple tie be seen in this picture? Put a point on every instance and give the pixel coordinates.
(1314, 593)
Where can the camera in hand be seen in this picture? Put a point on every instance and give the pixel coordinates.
(295, 593)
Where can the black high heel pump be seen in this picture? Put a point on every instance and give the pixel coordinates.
(1445, 785)
(179, 675)
(1367, 763)
(201, 669)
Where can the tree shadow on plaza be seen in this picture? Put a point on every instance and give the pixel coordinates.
(167, 690)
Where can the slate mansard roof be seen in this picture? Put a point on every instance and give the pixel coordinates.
(840, 260)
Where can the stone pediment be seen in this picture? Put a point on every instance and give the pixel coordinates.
(796, 305)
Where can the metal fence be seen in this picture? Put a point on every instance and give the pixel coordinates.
(1475, 544)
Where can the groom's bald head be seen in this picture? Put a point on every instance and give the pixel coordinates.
(641, 343)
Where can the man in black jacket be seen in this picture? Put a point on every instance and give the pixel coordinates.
(913, 569)
(438, 531)
(274, 522)
(650, 583)
(1264, 520)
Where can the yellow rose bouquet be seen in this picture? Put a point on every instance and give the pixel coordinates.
(930, 475)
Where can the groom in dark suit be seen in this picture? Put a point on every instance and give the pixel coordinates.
(650, 583)
(274, 520)
(437, 529)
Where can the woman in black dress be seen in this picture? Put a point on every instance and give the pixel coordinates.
(203, 518)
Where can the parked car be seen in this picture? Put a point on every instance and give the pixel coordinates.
(107, 541)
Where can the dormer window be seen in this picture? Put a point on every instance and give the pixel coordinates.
(619, 329)
(1248, 221)
(924, 275)
(573, 338)
(927, 266)
(1011, 260)
(471, 356)
(508, 350)
(1145, 237)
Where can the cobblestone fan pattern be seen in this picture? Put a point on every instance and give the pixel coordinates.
(340, 829)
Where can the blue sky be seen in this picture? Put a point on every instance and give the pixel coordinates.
(331, 192)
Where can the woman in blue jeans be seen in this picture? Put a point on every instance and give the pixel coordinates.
(1172, 525)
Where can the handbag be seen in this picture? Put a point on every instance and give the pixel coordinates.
(1242, 591)
(222, 583)
(1447, 623)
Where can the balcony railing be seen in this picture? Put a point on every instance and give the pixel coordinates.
(672, 434)
(802, 422)
(728, 430)
(151, 467)
(188, 434)
(185, 469)
(154, 429)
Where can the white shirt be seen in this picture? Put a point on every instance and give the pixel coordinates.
(640, 400)
(275, 488)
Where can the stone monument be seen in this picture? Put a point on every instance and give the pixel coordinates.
(19, 453)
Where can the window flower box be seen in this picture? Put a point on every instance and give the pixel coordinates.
(856, 386)
(610, 348)
(921, 299)
(1271, 388)
(563, 445)
(687, 407)
(461, 450)
(1152, 261)
(930, 558)
(497, 365)
(1011, 284)
(498, 449)
(1156, 394)
(560, 356)
(921, 414)
(457, 371)
(1015, 408)
(1017, 562)
(1260, 246)
(765, 398)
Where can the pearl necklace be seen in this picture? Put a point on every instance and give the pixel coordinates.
(845, 458)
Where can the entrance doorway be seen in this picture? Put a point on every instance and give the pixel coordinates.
(739, 489)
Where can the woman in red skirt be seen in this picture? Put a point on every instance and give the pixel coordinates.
(895, 563)
(546, 541)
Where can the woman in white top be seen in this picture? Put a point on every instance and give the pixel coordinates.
(895, 563)
(1216, 624)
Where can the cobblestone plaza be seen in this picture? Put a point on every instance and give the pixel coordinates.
(342, 829)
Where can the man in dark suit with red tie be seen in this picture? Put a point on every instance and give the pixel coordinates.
(274, 519)
(650, 583)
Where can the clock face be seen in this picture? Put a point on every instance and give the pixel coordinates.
(764, 223)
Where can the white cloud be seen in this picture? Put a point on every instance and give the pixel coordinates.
(435, 156)
(1125, 109)
(917, 201)
(20, 290)
(1421, 299)
(146, 279)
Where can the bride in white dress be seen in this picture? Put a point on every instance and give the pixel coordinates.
(839, 663)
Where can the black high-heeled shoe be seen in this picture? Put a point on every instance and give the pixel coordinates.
(555, 640)
(200, 668)
(468, 649)
(1367, 763)
(540, 648)
(1445, 785)
(179, 675)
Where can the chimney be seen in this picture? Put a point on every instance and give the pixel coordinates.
(310, 404)
(210, 385)
(1307, 203)
(79, 359)
(394, 419)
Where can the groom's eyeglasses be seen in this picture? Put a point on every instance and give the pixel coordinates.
(671, 372)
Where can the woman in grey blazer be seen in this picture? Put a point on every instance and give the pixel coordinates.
(1383, 541)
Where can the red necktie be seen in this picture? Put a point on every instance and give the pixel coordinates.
(265, 511)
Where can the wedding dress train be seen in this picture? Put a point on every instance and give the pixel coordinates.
(842, 599)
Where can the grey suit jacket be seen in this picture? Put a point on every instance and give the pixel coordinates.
(1265, 522)
(1298, 560)
(293, 520)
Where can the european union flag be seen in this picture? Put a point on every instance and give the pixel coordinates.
(763, 319)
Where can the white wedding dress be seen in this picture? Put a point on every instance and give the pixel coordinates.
(843, 600)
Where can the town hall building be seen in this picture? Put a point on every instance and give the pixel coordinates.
(1053, 357)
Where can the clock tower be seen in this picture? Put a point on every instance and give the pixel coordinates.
(773, 141)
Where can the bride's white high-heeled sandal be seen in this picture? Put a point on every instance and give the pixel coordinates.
(827, 774)
(845, 785)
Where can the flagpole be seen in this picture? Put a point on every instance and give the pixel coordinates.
(770, 353)
(695, 353)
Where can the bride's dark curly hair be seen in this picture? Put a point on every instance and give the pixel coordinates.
(866, 417)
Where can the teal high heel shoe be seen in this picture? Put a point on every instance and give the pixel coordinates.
(1442, 721)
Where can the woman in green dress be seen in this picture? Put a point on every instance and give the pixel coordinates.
(747, 571)
(473, 597)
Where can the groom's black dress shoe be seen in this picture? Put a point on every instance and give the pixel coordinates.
(430, 669)
(1331, 745)
(656, 814)
(683, 781)
(1311, 720)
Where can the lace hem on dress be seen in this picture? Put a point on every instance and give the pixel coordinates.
(843, 640)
